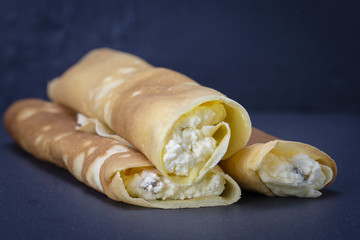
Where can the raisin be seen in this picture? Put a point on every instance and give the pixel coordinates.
(298, 171)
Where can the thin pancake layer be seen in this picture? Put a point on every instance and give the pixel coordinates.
(151, 108)
(280, 168)
(47, 131)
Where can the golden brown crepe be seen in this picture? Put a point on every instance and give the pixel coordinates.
(47, 131)
(183, 128)
(280, 168)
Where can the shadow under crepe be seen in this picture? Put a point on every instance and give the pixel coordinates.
(253, 199)
(65, 176)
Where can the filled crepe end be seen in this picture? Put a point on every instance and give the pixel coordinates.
(146, 186)
(294, 173)
(149, 184)
(48, 131)
(282, 168)
(196, 140)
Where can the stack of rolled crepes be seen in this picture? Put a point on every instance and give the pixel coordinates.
(47, 131)
(153, 137)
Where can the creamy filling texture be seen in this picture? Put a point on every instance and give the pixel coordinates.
(191, 140)
(298, 175)
(151, 186)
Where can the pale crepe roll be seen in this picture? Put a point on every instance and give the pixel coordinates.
(280, 168)
(47, 131)
(183, 128)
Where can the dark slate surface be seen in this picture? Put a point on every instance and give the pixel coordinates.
(41, 201)
(271, 56)
(268, 55)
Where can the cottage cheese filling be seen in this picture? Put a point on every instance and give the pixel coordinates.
(298, 175)
(150, 186)
(191, 140)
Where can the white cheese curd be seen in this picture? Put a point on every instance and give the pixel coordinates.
(298, 175)
(191, 141)
(150, 186)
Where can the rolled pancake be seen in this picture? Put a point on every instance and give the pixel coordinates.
(183, 128)
(47, 131)
(280, 168)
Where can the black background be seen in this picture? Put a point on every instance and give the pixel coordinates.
(267, 55)
(294, 65)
